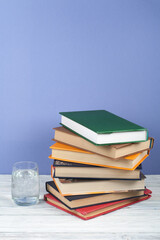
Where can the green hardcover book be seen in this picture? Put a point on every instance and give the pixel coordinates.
(102, 127)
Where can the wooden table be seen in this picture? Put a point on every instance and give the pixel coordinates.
(42, 221)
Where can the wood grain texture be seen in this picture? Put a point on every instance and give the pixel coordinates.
(42, 221)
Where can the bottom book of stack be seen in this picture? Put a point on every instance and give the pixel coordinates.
(93, 205)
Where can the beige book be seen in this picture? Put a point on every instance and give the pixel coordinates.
(81, 187)
(113, 151)
(73, 202)
(94, 172)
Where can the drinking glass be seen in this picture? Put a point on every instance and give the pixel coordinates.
(25, 183)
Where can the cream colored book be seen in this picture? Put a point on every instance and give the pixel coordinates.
(75, 170)
(81, 187)
(113, 151)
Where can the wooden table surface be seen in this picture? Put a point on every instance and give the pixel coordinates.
(42, 221)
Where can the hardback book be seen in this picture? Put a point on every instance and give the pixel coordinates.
(77, 201)
(93, 211)
(68, 187)
(113, 151)
(59, 163)
(64, 169)
(68, 153)
(103, 127)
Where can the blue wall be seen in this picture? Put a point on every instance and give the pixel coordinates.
(75, 55)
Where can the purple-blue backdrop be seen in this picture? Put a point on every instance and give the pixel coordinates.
(75, 55)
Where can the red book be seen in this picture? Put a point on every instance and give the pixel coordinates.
(87, 213)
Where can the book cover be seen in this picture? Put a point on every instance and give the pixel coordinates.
(103, 127)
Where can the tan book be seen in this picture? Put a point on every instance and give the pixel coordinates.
(113, 151)
(75, 170)
(68, 153)
(92, 199)
(85, 186)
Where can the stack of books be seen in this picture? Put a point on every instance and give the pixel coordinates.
(97, 163)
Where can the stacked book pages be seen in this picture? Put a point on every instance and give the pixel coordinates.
(96, 166)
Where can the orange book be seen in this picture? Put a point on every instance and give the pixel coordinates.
(68, 153)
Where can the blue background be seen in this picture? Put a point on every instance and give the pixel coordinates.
(75, 55)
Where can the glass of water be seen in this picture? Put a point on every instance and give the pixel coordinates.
(25, 183)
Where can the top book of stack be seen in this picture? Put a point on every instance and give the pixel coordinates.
(101, 127)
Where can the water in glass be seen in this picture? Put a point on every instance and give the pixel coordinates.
(25, 183)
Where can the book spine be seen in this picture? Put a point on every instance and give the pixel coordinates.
(52, 171)
(151, 143)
